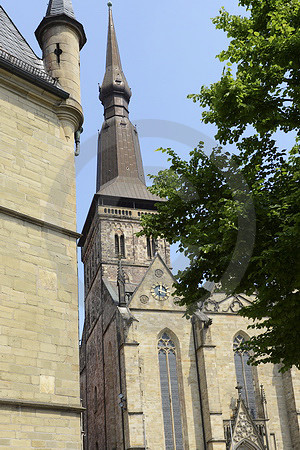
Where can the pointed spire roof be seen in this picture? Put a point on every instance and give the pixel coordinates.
(56, 7)
(114, 82)
(60, 11)
(120, 170)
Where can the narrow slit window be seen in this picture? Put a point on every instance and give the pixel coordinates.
(148, 248)
(151, 247)
(117, 245)
(95, 399)
(154, 246)
(170, 396)
(122, 246)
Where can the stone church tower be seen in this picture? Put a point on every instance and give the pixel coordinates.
(40, 113)
(151, 379)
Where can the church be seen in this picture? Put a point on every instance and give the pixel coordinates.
(144, 377)
(151, 379)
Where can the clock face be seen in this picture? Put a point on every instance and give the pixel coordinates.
(160, 292)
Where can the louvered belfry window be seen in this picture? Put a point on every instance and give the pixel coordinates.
(244, 376)
(120, 245)
(151, 247)
(170, 393)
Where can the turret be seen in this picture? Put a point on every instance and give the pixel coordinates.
(61, 37)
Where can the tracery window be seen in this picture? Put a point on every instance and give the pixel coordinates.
(244, 376)
(151, 247)
(170, 393)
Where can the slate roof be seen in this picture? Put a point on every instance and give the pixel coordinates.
(16, 53)
(60, 11)
(57, 7)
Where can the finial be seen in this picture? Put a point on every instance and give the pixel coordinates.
(239, 389)
(109, 4)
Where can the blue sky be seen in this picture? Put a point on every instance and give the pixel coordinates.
(168, 51)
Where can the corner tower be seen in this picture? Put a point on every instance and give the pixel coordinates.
(61, 37)
(40, 112)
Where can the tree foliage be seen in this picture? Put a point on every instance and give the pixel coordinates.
(237, 218)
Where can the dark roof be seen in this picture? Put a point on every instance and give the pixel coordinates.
(17, 55)
(125, 187)
(60, 12)
(119, 152)
(57, 7)
(114, 79)
(120, 172)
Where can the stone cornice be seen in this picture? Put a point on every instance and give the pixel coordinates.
(41, 405)
(67, 109)
(39, 222)
(33, 77)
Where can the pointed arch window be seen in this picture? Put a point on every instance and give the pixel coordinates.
(120, 245)
(170, 393)
(244, 376)
(151, 247)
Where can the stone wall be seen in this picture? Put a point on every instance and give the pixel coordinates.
(39, 304)
(218, 379)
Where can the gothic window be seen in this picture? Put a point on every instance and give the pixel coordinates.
(170, 393)
(151, 247)
(120, 245)
(244, 376)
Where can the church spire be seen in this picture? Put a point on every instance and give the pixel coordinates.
(114, 92)
(120, 169)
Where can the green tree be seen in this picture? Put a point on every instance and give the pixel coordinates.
(237, 218)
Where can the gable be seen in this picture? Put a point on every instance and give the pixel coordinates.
(245, 433)
(156, 292)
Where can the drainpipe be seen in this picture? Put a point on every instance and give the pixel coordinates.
(77, 141)
(265, 413)
(123, 399)
(198, 379)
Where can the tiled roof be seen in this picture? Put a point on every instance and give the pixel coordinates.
(16, 51)
(57, 7)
